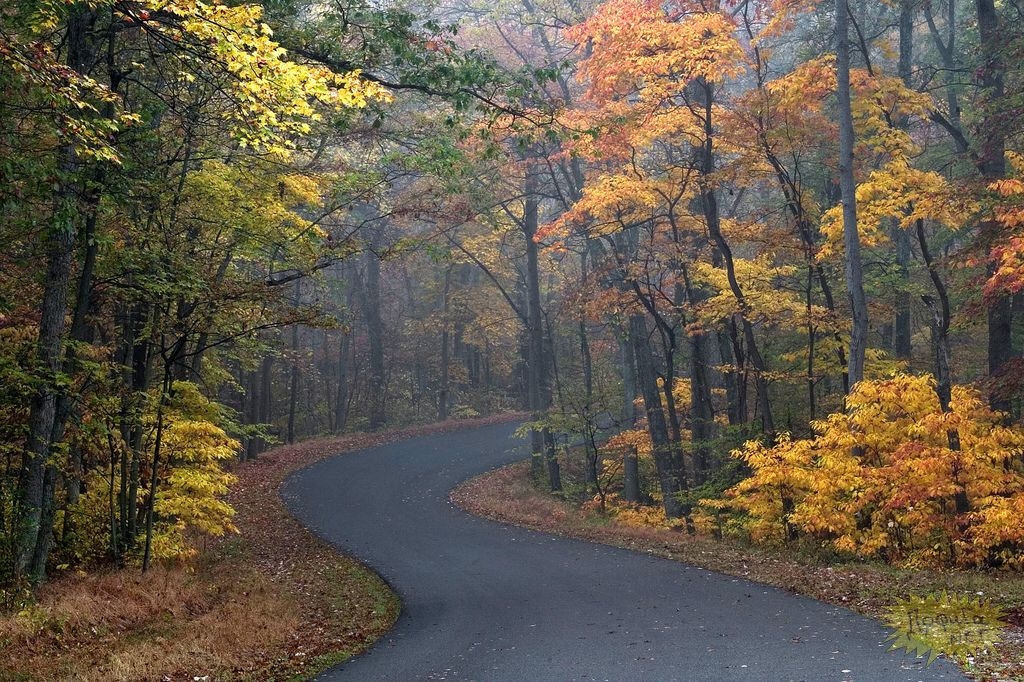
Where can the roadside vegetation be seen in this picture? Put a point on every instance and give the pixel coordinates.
(270, 603)
(510, 495)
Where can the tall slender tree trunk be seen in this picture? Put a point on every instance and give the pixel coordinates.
(751, 350)
(138, 363)
(442, 394)
(293, 383)
(341, 402)
(902, 327)
(591, 459)
(375, 331)
(343, 398)
(294, 371)
(943, 375)
(812, 403)
(539, 388)
(668, 459)
(992, 164)
(629, 389)
(808, 235)
(154, 474)
(630, 466)
(264, 397)
(712, 216)
(36, 483)
(702, 411)
(848, 187)
(902, 331)
(732, 376)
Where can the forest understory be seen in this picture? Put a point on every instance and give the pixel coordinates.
(509, 495)
(270, 603)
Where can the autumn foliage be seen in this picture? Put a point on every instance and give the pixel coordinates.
(881, 480)
(1007, 254)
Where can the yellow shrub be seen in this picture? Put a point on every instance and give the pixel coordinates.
(882, 480)
(634, 514)
(193, 482)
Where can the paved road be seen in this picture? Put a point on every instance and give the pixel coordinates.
(482, 601)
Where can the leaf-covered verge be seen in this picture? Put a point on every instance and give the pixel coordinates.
(508, 495)
(272, 603)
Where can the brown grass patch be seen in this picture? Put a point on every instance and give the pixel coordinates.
(274, 603)
(509, 496)
(167, 624)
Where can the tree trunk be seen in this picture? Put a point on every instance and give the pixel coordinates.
(735, 393)
(709, 205)
(294, 373)
(702, 411)
(668, 459)
(293, 384)
(375, 331)
(165, 390)
(138, 362)
(848, 187)
(442, 394)
(264, 403)
(943, 375)
(538, 386)
(630, 476)
(35, 490)
(587, 412)
(902, 331)
(33, 517)
(341, 403)
(629, 390)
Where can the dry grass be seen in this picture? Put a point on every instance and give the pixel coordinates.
(170, 623)
(274, 603)
(508, 495)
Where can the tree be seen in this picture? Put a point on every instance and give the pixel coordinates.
(847, 184)
(88, 61)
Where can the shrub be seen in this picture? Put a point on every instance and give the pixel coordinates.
(882, 480)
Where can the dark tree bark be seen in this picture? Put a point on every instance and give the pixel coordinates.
(341, 401)
(137, 360)
(992, 164)
(154, 474)
(902, 327)
(941, 353)
(668, 460)
(851, 236)
(374, 330)
(629, 389)
(702, 411)
(295, 371)
(712, 217)
(539, 387)
(442, 394)
(263, 403)
(902, 331)
(630, 476)
(33, 516)
(344, 389)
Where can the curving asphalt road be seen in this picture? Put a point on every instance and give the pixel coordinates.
(483, 601)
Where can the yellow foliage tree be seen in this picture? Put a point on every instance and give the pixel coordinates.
(193, 482)
(881, 480)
